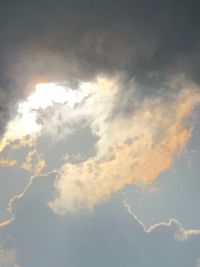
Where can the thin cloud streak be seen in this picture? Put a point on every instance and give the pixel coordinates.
(18, 196)
(180, 233)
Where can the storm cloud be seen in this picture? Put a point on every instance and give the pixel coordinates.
(150, 41)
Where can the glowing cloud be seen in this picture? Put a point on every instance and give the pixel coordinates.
(46, 95)
(131, 149)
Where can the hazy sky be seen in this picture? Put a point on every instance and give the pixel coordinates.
(99, 133)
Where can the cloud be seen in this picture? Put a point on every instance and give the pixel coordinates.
(74, 42)
(7, 258)
(141, 119)
(7, 163)
(181, 233)
(16, 197)
(134, 145)
(131, 149)
(33, 162)
(44, 112)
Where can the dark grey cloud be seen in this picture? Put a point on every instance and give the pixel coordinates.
(150, 41)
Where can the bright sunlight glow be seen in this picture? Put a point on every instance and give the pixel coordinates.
(46, 95)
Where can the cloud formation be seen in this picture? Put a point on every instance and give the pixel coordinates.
(181, 233)
(76, 41)
(131, 149)
(134, 145)
(126, 70)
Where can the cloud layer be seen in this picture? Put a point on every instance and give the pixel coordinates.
(76, 41)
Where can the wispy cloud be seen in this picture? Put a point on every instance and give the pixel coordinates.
(180, 232)
(8, 258)
(34, 162)
(7, 162)
(20, 195)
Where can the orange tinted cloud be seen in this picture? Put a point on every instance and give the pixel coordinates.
(7, 163)
(33, 162)
(133, 150)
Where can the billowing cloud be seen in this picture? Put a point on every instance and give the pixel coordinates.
(132, 149)
(76, 42)
(133, 146)
(128, 71)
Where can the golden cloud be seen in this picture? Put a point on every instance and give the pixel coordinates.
(7, 163)
(34, 162)
(131, 150)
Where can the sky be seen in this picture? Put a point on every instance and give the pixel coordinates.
(99, 133)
